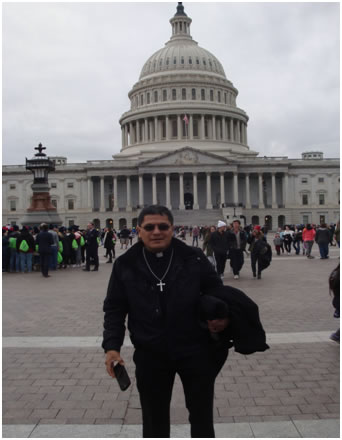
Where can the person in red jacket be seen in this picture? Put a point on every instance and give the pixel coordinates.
(308, 239)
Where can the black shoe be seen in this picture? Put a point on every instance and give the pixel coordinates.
(86, 270)
(254, 275)
(110, 261)
(259, 276)
(95, 269)
(46, 276)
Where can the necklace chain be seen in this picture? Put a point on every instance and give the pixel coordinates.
(166, 272)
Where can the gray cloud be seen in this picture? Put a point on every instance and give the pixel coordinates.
(67, 69)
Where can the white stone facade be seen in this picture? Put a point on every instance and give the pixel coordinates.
(184, 144)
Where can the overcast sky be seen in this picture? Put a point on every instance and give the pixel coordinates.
(68, 67)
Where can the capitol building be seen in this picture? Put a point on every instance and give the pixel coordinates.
(184, 144)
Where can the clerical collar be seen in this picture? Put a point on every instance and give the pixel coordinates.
(159, 255)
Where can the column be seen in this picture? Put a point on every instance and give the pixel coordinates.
(90, 194)
(128, 190)
(115, 194)
(126, 135)
(261, 193)
(231, 122)
(141, 190)
(195, 190)
(214, 127)
(137, 126)
(122, 136)
(131, 137)
(179, 127)
(167, 126)
(181, 191)
(238, 131)
(274, 195)
(248, 193)
(146, 131)
(154, 189)
(191, 127)
(222, 194)
(102, 197)
(224, 129)
(202, 128)
(209, 203)
(156, 134)
(285, 189)
(168, 192)
(235, 189)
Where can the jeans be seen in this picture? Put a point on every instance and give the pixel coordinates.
(26, 261)
(308, 247)
(155, 374)
(53, 258)
(296, 245)
(195, 239)
(14, 260)
(324, 250)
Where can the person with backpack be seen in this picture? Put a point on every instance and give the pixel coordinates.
(261, 254)
(14, 254)
(25, 247)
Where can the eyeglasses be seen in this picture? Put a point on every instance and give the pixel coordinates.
(161, 226)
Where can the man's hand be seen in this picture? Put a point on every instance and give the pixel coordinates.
(217, 325)
(112, 357)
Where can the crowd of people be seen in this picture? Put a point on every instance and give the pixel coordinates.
(49, 247)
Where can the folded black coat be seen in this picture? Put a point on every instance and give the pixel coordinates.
(245, 331)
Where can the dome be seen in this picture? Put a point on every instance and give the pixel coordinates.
(182, 55)
(181, 52)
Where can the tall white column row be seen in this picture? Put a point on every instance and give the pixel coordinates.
(150, 129)
(209, 205)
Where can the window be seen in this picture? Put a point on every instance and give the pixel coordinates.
(305, 200)
(219, 96)
(203, 94)
(70, 204)
(197, 61)
(70, 185)
(54, 202)
(156, 96)
(141, 99)
(304, 180)
(190, 60)
(182, 60)
(148, 97)
(13, 205)
(174, 60)
(305, 219)
(321, 180)
(204, 62)
(174, 128)
(195, 127)
(183, 94)
(167, 61)
(71, 223)
(53, 185)
(321, 199)
(12, 186)
(193, 93)
(211, 95)
(164, 95)
(174, 94)
(225, 98)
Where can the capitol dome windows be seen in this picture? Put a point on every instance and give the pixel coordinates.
(155, 96)
(203, 94)
(211, 95)
(183, 94)
(193, 94)
(219, 96)
(204, 62)
(182, 60)
(197, 61)
(174, 94)
(148, 98)
(164, 95)
(190, 60)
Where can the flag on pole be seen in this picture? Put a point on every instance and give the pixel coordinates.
(186, 120)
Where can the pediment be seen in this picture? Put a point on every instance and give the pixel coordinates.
(186, 156)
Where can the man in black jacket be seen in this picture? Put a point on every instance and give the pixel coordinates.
(158, 283)
(237, 241)
(44, 241)
(219, 244)
(92, 247)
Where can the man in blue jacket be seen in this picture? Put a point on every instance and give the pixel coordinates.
(158, 283)
(45, 241)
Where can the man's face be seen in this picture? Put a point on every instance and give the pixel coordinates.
(221, 229)
(89, 226)
(156, 240)
(236, 226)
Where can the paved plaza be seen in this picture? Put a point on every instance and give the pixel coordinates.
(55, 383)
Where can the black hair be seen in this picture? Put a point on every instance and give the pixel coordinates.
(155, 210)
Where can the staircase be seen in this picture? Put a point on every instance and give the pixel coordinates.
(198, 217)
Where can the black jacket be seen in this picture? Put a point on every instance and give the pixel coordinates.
(245, 331)
(232, 242)
(91, 241)
(44, 240)
(131, 292)
(219, 243)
